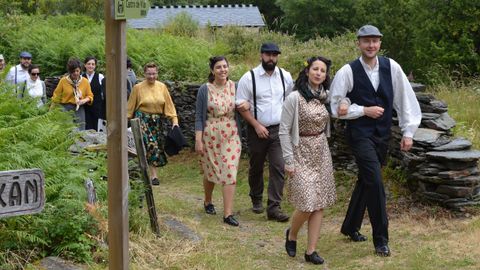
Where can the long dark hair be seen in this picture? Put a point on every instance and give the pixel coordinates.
(301, 84)
(213, 60)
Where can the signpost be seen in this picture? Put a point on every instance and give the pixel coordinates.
(131, 9)
(22, 192)
(116, 13)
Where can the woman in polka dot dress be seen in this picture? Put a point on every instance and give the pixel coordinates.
(216, 137)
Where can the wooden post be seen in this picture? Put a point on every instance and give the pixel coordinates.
(142, 160)
(116, 74)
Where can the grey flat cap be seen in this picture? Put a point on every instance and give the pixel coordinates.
(368, 31)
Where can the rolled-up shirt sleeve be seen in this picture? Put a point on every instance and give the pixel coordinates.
(405, 101)
(341, 85)
(244, 90)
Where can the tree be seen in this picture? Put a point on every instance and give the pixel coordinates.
(309, 18)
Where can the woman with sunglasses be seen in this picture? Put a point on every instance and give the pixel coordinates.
(34, 86)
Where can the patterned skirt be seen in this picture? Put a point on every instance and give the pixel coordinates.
(153, 138)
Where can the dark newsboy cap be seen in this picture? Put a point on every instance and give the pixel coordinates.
(25, 55)
(368, 31)
(270, 47)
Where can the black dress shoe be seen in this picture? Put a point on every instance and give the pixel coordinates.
(356, 236)
(314, 258)
(230, 220)
(290, 246)
(278, 216)
(382, 251)
(210, 209)
(257, 207)
(155, 182)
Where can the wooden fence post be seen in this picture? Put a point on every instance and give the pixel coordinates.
(142, 160)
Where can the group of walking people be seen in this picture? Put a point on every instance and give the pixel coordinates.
(288, 123)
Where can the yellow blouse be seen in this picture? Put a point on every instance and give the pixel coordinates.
(63, 94)
(152, 99)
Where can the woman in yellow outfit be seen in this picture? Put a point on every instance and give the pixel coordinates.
(150, 101)
(73, 92)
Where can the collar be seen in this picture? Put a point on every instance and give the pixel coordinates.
(367, 67)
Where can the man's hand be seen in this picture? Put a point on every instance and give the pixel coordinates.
(373, 111)
(262, 132)
(406, 144)
(244, 106)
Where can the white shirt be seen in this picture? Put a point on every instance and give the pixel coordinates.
(90, 77)
(35, 90)
(404, 99)
(269, 91)
(22, 75)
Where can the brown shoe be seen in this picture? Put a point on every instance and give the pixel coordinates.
(278, 215)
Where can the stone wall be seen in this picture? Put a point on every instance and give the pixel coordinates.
(441, 168)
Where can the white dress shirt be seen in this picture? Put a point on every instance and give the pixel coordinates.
(22, 75)
(90, 77)
(404, 99)
(269, 91)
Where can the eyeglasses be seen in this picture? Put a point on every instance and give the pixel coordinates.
(35, 74)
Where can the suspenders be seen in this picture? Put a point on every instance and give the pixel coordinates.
(255, 90)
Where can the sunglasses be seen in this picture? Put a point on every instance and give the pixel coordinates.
(35, 74)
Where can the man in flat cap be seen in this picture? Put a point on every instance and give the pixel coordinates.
(375, 85)
(19, 73)
(260, 96)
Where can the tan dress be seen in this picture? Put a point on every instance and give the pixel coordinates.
(220, 136)
(312, 186)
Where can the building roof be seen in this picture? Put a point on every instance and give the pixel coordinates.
(216, 15)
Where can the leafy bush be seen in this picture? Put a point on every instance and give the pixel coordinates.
(182, 25)
(38, 138)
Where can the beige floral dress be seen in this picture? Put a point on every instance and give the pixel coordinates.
(312, 186)
(220, 136)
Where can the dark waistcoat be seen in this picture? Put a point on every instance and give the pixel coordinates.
(364, 94)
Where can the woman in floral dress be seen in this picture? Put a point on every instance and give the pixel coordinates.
(304, 128)
(216, 137)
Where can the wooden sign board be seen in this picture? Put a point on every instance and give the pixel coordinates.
(22, 192)
(131, 9)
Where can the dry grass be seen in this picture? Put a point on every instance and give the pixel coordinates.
(421, 237)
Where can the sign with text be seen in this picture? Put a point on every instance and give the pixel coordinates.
(21, 192)
(131, 9)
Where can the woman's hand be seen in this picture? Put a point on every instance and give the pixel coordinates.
(199, 147)
(83, 101)
(244, 106)
(289, 170)
(343, 108)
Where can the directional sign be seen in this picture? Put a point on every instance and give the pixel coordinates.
(131, 9)
(21, 192)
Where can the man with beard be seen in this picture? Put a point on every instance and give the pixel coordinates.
(19, 73)
(260, 96)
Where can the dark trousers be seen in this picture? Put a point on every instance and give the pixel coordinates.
(369, 193)
(259, 150)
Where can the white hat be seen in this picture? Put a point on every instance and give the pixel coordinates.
(1, 57)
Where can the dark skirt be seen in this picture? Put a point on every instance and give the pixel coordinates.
(153, 138)
(79, 114)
